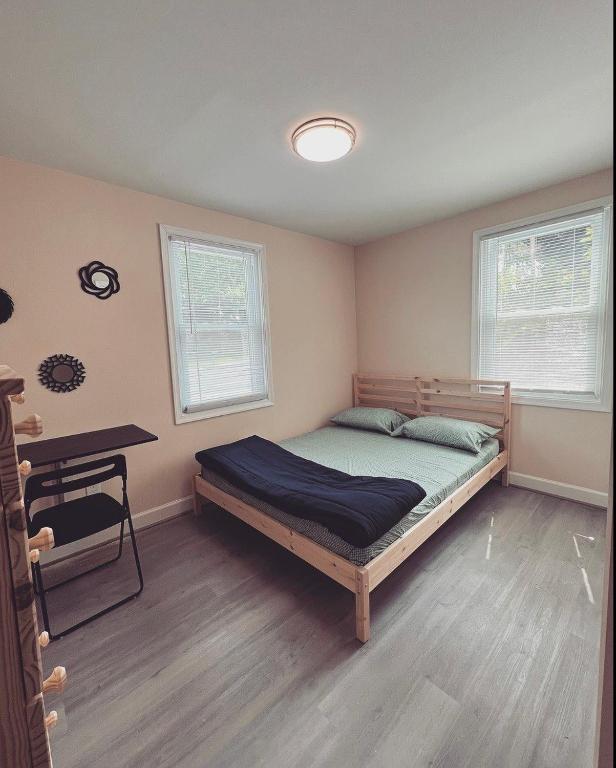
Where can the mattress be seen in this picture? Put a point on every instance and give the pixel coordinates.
(437, 468)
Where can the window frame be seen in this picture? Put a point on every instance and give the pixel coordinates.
(602, 403)
(182, 417)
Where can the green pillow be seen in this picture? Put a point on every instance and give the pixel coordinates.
(456, 433)
(374, 419)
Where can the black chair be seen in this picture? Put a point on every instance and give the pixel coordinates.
(78, 518)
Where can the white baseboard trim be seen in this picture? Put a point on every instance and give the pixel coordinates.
(141, 520)
(563, 490)
(165, 512)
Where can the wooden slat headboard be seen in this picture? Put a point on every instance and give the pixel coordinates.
(481, 400)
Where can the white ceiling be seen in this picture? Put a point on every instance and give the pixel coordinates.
(457, 103)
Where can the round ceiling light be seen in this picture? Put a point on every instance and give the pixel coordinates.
(323, 139)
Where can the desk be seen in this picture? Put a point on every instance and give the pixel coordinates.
(59, 449)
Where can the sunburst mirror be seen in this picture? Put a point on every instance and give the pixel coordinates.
(61, 373)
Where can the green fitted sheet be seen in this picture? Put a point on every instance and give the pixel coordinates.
(437, 468)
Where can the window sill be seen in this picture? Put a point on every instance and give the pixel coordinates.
(184, 418)
(554, 402)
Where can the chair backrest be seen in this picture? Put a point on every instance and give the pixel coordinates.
(54, 482)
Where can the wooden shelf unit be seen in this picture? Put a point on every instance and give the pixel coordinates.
(24, 741)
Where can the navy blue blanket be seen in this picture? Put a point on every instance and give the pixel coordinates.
(359, 509)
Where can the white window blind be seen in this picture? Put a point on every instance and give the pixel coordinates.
(542, 308)
(219, 324)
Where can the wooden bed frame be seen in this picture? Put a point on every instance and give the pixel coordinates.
(473, 399)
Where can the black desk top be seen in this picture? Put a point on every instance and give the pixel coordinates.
(70, 447)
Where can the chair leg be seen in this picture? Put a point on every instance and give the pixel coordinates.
(40, 589)
(136, 553)
(121, 541)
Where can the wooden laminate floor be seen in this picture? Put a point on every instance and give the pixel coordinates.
(237, 655)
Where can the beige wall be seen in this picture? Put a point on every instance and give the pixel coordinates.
(414, 314)
(52, 223)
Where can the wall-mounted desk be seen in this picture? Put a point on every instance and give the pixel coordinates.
(59, 449)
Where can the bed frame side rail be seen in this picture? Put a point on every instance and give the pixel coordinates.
(395, 554)
(334, 566)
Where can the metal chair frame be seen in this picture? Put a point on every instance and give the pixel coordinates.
(53, 483)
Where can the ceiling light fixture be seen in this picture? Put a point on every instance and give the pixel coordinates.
(323, 139)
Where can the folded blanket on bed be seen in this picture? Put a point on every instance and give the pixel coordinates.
(358, 509)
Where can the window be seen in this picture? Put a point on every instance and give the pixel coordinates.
(217, 323)
(542, 307)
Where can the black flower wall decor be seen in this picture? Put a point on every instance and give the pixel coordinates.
(61, 373)
(6, 306)
(99, 280)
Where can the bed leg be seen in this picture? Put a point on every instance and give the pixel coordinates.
(362, 606)
(505, 477)
(196, 499)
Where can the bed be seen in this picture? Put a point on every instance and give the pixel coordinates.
(449, 476)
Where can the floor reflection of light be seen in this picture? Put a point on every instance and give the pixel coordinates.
(489, 547)
(591, 597)
(589, 593)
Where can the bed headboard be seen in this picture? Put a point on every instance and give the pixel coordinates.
(481, 400)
